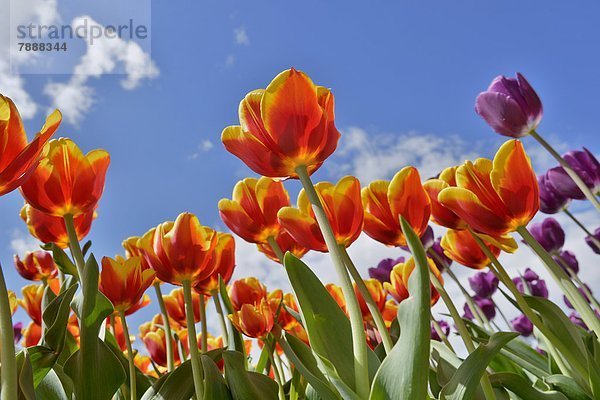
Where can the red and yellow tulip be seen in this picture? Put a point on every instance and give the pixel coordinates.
(155, 341)
(246, 291)
(286, 243)
(254, 320)
(252, 212)
(398, 285)
(377, 293)
(66, 181)
(32, 299)
(36, 266)
(124, 281)
(287, 125)
(495, 197)
(461, 247)
(385, 202)
(224, 264)
(18, 159)
(440, 214)
(175, 305)
(32, 334)
(343, 206)
(336, 293)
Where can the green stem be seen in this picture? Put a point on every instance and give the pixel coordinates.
(576, 178)
(463, 331)
(278, 379)
(583, 228)
(359, 340)
(130, 356)
(441, 334)
(564, 282)
(219, 309)
(167, 327)
(8, 382)
(193, 340)
(203, 325)
(74, 246)
(364, 291)
(276, 249)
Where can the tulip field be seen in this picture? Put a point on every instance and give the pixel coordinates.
(363, 337)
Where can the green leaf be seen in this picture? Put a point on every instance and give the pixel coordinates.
(215, 387)
(175, 385)
(327, 326)
(142, 381)
(522, 387)
(567, 386)
(403, 374)
(62, 261)
(56, 317)
(42, 360)
(51, 388)
(465, 381)
(246, 385)
(26, 390)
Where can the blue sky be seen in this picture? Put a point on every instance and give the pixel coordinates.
(400, 73)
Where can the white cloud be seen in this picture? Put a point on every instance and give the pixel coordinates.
(204, 147)
(241, 37)
(21, 243)
(230, 60)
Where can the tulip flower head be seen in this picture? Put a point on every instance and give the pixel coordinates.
(510, 106)
(486, 305)
(384, 268)
(246, 291)
(18, 159)
(289, 124)
(180, 251)
(377, 293)
(461, 247)
(551, 201)
(224, 264)
(337, 294)
(585, 165)
(439, 213)
(51, 229)
(66, 181)
(445, 330)
(32, 299)
(252, 212)
(175, 305)
(254, 320)
(343, 207)
(531, 283)
(32, 334)
(286, 243)
(484, 284)
(155, 341)
(523, 325)
(568, 261)
(124, 281)
(591, 243)
(398, 287)
(385, 202)
(36, 266)
(278, 302)
(549, 234)
(495, 197)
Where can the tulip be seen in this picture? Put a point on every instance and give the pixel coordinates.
(445, 330)
(286, 243)
(584, 292)
(246, 291)
(484, 284)
(592, 243)
(439, 213)
(398, 286)
(551, 201)
(510, 106)
(384, 268)
(254, 320)
(144, 364)
(36, 266)
(32, 299)
(67, 182)
(18, 331)
(441, 260)
(377, 293)
(549, 234)
(224, 264)
(175, 306)
(18, 159)
(523, 325)
(289, 124)
(180, 251)
(495, 197)
(530, 283)
(568, 261)
(12, 301)
(124, 281)
(154, 339)
(486, 305)
(575, 318)
(252, 212)
(337, 294)
(461, 247)
(390, 312)
(385, 202)
(50, 229)
(116, 326)
(32, 334)
(585, 165)
(278, 301)
(427, 239)
(343, 207)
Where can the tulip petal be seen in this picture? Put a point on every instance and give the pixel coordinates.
(408, 199)
(303, 228)
(502, 113)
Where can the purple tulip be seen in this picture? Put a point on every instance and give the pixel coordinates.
(585, 165)
(549, 234)
(576, 319)
(523, 325)
(487, 306)
(567, 260)
(591, 243)
(535, 285)
(18, 331)
(441, 260)
(445, 329)
(426, 239)
(568, 303)
(551, 201)
(484, 284)
(383, 269)
(510, 106)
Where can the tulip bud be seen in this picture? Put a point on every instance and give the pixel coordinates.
(549, 234)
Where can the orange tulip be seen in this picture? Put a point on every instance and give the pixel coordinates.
(32, 334)
(254, 321)
(50, 229)
(440, 214)
(390, 312)
(385, 202)
(495, 197)
(278, 302)
(180, 251)
(118, 332)
(246, 291)
(144, 364)
(155, 342)
(12, 301)
(175, 305)
(398, 285)
(377, 293)
(342, 204)
(18, 159)
(287, 125)
(124, 282)
(336, 292)
(66, 181)
(462, 248)
(224, 264)
(286, 243)
(252, 212)
(32, 299)
(36, 266)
